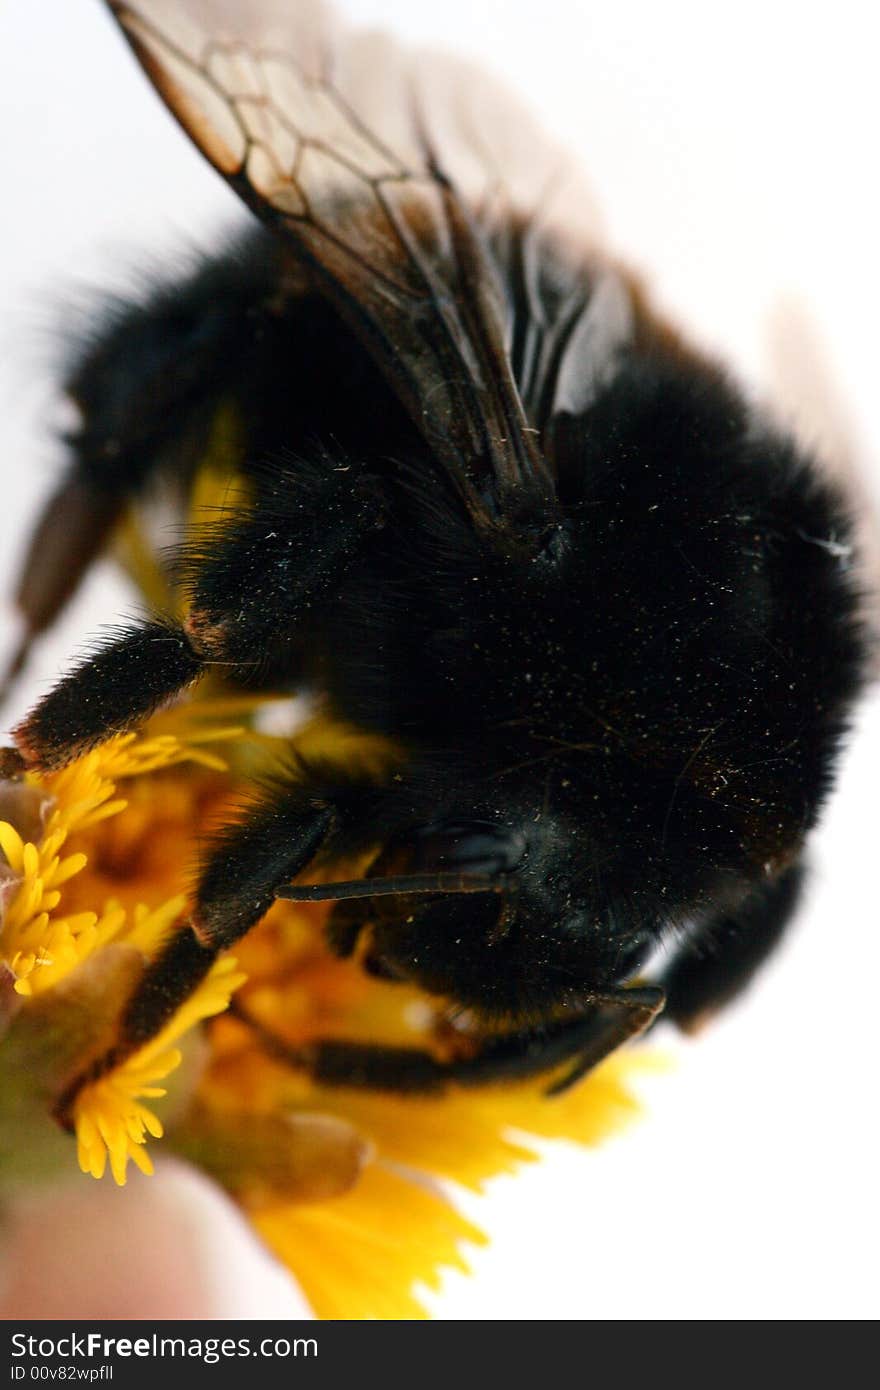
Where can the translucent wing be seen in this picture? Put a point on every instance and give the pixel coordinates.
(389, 174)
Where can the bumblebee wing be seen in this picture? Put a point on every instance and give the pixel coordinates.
(387, 182)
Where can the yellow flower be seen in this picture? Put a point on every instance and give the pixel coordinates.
(110, 1119)
(39, 943)
(350, 1189)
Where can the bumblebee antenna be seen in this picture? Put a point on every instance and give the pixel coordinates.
(387, 887)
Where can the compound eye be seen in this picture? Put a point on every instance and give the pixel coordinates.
(471, 847)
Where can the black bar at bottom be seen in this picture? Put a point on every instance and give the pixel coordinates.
(136, 1355)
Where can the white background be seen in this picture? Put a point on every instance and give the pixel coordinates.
(734, 151)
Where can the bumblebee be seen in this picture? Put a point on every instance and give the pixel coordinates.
(501, 514)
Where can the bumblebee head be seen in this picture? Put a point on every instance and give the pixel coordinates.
(495, 915)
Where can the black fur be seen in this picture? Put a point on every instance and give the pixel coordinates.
(646, 705)
(723, 955)
(117, 686)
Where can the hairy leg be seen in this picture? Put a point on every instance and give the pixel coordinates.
(251, 859)
(582, 1042)
(253, 592)
(146, 381)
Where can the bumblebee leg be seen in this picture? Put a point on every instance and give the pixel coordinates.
(70, 533)
(721, 959)
(513, 1056)
(252, 593)
(249, 862)
(147, 383)
(237, 887)
(259, 579)
(625, 1014)
(116, 688)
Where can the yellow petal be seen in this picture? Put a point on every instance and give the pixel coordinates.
(12, 846)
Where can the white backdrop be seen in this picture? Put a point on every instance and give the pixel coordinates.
(734, 152)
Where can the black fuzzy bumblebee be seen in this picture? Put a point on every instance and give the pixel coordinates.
(503, 515)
